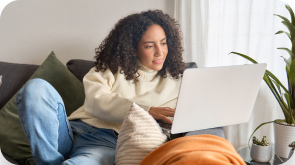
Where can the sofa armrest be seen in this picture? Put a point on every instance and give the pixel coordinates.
(14, 76)
(190, 65)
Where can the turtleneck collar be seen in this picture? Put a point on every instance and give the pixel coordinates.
(146, 73)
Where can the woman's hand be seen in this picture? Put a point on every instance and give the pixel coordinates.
(161, 113)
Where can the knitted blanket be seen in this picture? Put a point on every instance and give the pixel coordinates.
(139, 135)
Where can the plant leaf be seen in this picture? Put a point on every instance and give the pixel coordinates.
(290, 28)
(256, 130)
(288, 34)
(280, 32)
(292, 74)
(293, 47)
(281, 102)
(292, 93)
(284, 18)
(245, 56)
(278, 86)
(290, 101)
(285, 108)
(283, 99)
(288, 71)
(289, 51)
(287, 96)
(292, 89)
(288, 61)
(291, 14)
(288, 64)
(267, 72)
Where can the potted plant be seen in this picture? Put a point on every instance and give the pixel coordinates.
(284, 96)
(261, 150)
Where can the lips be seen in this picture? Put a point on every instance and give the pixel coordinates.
(158, 61)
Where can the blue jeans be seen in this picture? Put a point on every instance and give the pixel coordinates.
(55, 140)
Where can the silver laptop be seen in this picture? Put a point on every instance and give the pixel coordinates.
(217, 96)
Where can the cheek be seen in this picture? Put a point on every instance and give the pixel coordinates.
(147, 55)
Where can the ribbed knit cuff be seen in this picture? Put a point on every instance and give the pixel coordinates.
(142, 105)
(145, 107)
(124, 109)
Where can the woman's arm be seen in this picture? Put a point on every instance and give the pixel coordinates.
(100, 102)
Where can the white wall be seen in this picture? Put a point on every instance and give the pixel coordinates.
(31, 29)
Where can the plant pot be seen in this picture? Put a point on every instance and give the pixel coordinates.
(261, 153)
(284, 135)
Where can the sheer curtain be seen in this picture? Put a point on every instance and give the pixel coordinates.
(214, 28)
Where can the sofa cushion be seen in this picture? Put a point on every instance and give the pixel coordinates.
(12, 138)
(13, 78)
(80, 67)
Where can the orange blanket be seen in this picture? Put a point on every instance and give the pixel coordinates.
(191, 150)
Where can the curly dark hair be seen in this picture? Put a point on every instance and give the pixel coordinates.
(118, 48)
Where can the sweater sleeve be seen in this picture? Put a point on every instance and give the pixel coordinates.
(100, 102)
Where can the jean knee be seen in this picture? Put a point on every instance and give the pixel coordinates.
(36, 91)
(33, 87)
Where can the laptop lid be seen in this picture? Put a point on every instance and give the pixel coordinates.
(217, 96)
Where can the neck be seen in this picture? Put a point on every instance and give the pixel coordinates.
(146, 73)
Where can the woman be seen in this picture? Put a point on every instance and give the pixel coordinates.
(139, 61)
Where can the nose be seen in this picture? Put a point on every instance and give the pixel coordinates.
(159, 51)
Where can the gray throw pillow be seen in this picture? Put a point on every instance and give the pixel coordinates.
(14, 76)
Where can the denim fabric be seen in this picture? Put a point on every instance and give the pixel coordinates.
(55, 140)
(218, 131)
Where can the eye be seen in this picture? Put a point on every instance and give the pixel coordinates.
(148, 47)
(164, 43)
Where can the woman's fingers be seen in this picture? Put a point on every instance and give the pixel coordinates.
(161, 113)
(170, 113)
(166, 111)
(164, 118)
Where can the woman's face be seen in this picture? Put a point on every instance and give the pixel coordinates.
(152, 49)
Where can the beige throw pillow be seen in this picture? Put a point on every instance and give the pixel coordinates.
(139, 135)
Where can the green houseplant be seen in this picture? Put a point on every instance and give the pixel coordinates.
(263, 142)
(284, 96)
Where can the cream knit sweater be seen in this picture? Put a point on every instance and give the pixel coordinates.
(108, 96)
